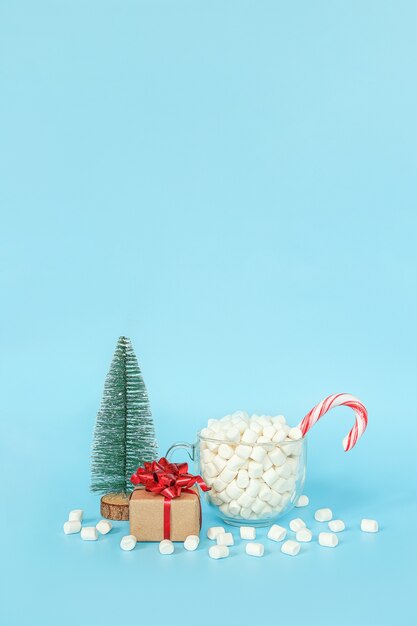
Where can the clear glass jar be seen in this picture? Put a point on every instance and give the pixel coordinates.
(249, 491)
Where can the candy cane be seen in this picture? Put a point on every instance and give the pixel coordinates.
(339, 399)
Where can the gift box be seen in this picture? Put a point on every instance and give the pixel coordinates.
(166, 503)
(146, 515)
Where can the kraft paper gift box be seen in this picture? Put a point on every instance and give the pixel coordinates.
(146, 515)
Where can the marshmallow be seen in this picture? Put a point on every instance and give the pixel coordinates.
(233, 490)
(270, 476)
(76, 515)
(277, 456)
(191, 542)
(104, 527)
(227, 475)
(279, 485)
(267, 463)
(275, 499)
(242, 478)
(210, 470)
(278, 419)
(234, 508)
(290, 547)
(218, 552)
(295, 434)
(128, 542)
(269, 431)
(222, 495)
(235, 462)
(245, 500)
(89, 533)
(283, 472)
(218, 485)
(256, 425)
(207, 456)
(276, 533)
(336, 525)
(225, 539)
(225, 451)
(254, 487)
(246, 512)
(279, 436)
(293, 462)
(258, 454)
(219, 462)
(258, 506)
(265, 493)
(247, 532)
(243, 451)
(304, 535)
(214, 531)
(255, 470)
(302, 501)
(297, 524)
(329, 540)
(323, 515)
(233, 434)
(369, 526)
(255, 549)
(224, 508)
(72, 526)
(249, 436)
(166, 547)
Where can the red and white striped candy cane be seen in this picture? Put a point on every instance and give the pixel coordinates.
(339, 399)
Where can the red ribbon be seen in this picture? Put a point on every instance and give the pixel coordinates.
(168, 480)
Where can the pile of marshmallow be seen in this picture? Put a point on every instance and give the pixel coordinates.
(127, 543)
(278, 533)
(87, 533)
(252, 464)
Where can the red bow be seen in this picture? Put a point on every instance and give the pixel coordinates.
(168, 480)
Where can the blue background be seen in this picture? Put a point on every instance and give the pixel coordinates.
(233, 186)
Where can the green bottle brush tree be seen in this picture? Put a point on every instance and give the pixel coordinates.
(124, 435)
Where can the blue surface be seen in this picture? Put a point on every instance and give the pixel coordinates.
(232, 185)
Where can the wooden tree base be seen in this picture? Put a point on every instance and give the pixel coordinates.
(115, 506)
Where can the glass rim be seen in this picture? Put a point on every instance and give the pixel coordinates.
(285, 442)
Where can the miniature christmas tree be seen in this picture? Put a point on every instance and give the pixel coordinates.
(124, 435)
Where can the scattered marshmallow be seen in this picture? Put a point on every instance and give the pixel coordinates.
(302, 501)
(76, 515)
(336, 525)
(128, 542)
(191, 542)
(72, 526)
(104, 527)
(166, 546)
(214, 531)
(329, 540)
(323, 515)
(297, 524)
(225, 539)
(89, 533)
(255, 549)
(290, 547)
(304, 535)
(277, 533)
(247, 532)
(218, 552)
(369, 526)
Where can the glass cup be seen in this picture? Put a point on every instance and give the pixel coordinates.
(255, 490)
